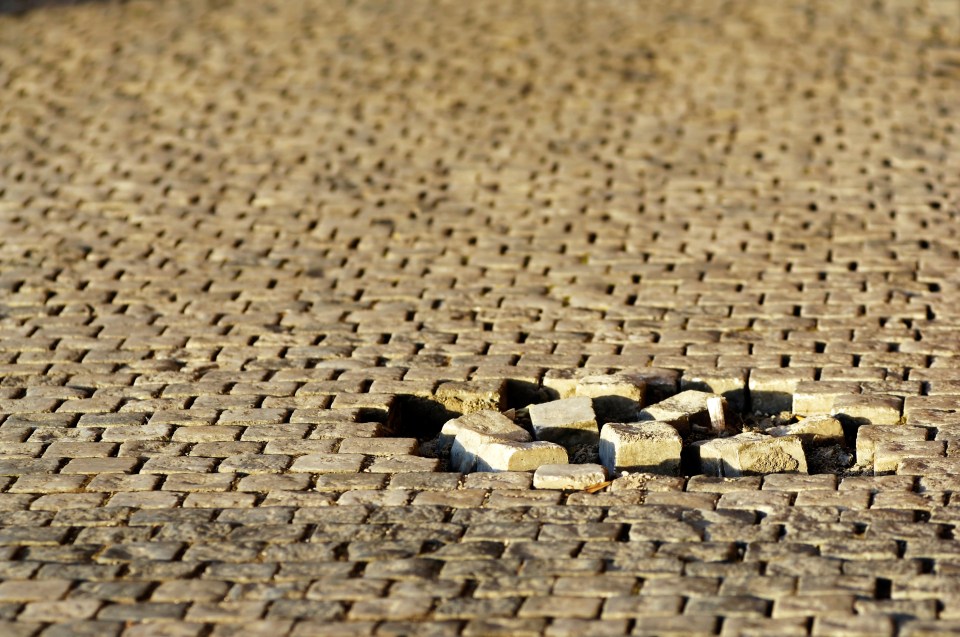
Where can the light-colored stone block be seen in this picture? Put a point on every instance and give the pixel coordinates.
(771, 390)
(870, 436)
(874, 410)
(814, 431)
(729, 383)
(888, 455)
(518, 456)
(568, 476)
(462, 437)
(616, 397)
(465, 397)
(568, 422)
(685, 411)
(751, 454)
(482, 423)
(562, 383)
(652, 447)
(817, 397)
(623, 385)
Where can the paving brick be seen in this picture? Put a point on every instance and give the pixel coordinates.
(751, 453)
(813, 431)
(676, 626)
(875, 410)
(28, 591)
(462, 437)
(559, 606)
(218, 263)
(568, 476)
(471, 396)
(569, 422)
(518, 456)
(854, 626)
(651, 446)
(868, 437)
(685, 411)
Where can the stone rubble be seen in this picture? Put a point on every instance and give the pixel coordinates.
(813, 431)
(488, 440)
(463, 437)
(685, 411)
(569, 422)
(568, 476)
(650, 447)
(252, 254)
(751, 454)
(507, 455)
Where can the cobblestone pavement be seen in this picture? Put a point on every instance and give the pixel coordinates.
(237, 235)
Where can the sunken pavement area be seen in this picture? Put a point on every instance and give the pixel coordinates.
(250, 251)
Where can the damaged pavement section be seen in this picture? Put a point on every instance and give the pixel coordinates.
(606, 422)
(685, 433)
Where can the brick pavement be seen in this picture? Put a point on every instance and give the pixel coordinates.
(237, 237)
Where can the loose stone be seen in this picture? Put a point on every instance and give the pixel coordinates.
(652, 447)
(568, 476)
(568, 422)
(751, 454)
(518, 456)
(464, 397)
(813, 431)
(685, 411)
(463, 436)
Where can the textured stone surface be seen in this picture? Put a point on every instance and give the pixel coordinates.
(685, 411)
(873, 410)
(813, 430)
(569, 422)
(241, 243)
(518, 456)
(816, 398)
(870, 436)
(616, 397)
(651, 446)
(471, 396)
(462, 437)
(751, 454)
(568, 476)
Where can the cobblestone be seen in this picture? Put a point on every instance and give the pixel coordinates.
(569, 422)
(751, 453)
(568, 476)
(649, 446)
(684, 411)
(254, 256)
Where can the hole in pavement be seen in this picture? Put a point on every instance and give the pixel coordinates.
(621, 424)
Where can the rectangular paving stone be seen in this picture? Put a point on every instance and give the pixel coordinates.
(379, 446)
(569, 422)
(329, 463)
